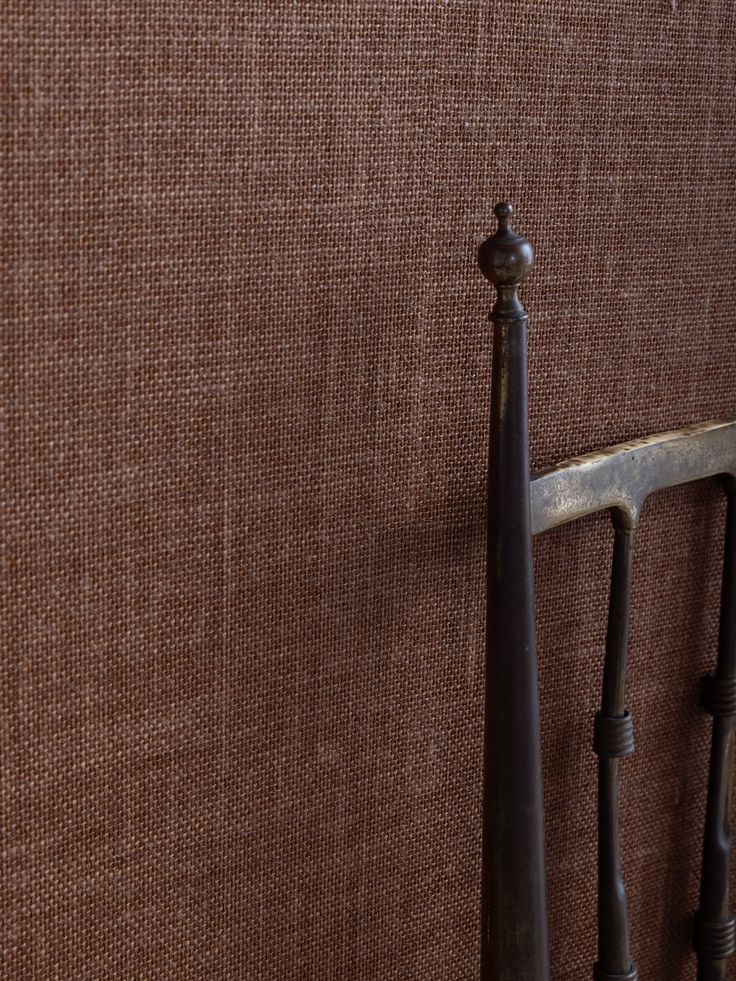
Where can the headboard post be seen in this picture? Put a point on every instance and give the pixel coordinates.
(514, 943)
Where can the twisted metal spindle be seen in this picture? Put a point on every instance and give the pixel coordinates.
(714, 934)
(614, 739)
(514, 917)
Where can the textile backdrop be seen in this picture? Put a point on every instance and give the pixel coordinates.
(246, 391)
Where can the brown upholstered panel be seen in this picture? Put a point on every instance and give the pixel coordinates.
(246, 388)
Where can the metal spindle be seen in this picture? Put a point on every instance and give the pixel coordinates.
(614, 739)
(514, 917)
(714, 935)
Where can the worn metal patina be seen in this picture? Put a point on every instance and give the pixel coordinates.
(622, 477)
(514, 945)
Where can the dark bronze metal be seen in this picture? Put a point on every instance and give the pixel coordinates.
(619, 479)
(614, 739)
(714, 934)
(514, 918)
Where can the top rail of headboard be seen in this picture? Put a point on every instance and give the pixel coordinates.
(622, 477)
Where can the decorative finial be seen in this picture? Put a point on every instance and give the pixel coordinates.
(503, 211)
(506, 259)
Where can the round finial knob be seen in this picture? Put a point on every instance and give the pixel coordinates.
(506, 259)
(503, 211)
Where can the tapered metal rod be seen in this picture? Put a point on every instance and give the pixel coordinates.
(714, 935)
(514, 920)
(613, 740)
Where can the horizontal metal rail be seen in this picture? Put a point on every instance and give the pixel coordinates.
(621, 477)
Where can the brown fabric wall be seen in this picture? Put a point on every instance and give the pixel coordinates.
(246, 386)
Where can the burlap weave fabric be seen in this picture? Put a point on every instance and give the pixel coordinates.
(245, 390)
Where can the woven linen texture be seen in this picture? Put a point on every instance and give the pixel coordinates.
(245, 389)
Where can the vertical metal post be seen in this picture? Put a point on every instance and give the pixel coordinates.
(714, 935)
(613, 739)
(514, 943)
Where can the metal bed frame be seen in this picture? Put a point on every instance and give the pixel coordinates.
(514, 943)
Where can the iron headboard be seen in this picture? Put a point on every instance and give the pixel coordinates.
(514, 942)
